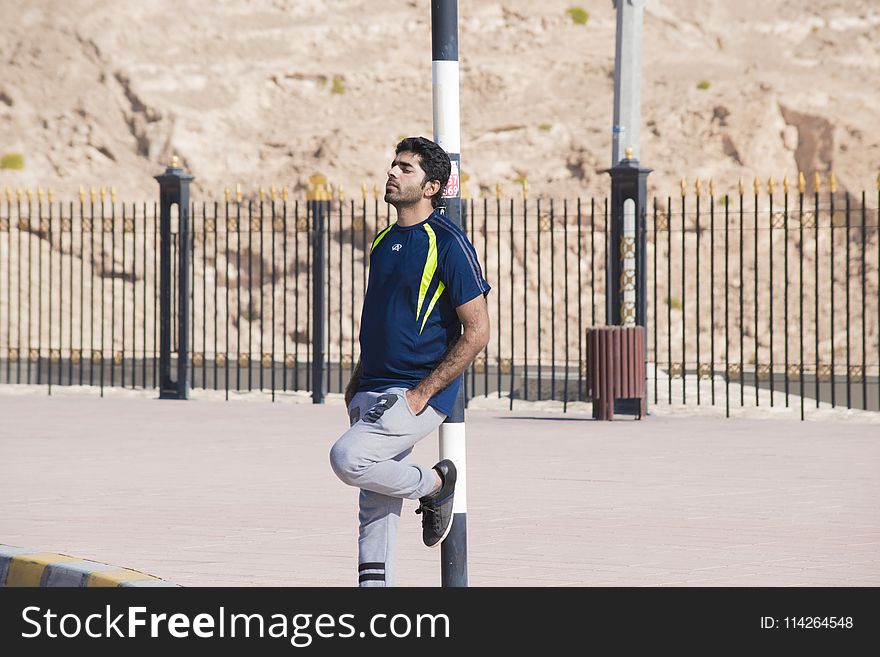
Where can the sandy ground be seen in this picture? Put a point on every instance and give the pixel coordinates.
(267, 92)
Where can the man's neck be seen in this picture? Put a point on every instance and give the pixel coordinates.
(410, 215)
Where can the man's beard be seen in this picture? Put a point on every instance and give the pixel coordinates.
(398, 199)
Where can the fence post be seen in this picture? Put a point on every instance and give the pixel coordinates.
(319, 199)
(626, 282)
(174, 189)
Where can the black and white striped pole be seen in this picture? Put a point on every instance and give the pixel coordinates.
(444, 74)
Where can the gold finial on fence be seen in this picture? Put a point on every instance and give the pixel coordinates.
(50, 195)
(771, 185)
(91, 194)
(684, 186)
(175, 163)
(82, 194)
(698, 187)
(741, 186)
(628, 152)
(272, 192)
(711, 187)
(375, 191)
(226, 193)
(785, 184)
(18, 193)
(238, 192)
(802, 182)
(103, 193)
(340, 193)
(39, 193)
(30, 195)
(756, 185)
(261, 192)
(498, 187)
(284, 193)
(525, 187)
(817, 182)
(364, 191)
(113, 194)
(327, 192)
(9, 191)
(832, 183)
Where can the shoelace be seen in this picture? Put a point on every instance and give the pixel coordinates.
(435, 511)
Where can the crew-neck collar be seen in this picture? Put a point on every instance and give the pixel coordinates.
(425, 220)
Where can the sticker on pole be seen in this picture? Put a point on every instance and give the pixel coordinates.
(452, 187)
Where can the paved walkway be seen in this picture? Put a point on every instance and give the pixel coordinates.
(240, 493)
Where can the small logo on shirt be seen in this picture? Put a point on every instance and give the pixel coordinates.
(397, 247)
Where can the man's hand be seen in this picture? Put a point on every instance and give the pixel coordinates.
(415, 401)
(351, 388)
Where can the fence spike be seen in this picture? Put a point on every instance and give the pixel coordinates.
(82, 194)
(174, 162)
(498, 187)
(238, 192)
(375, 191)
(113, 194)
(756, 184)
(40, 193)
(832, 183)
(30, 195)
(742, 186)
(340, 193)
(50, 195)
(802, 182)
(525, 187)
(261, 192)
(711, 187)
(9, 191)
(272, 192)
(683, 184)
(284, 193)
(103, 193)
(18, 194)
(226, 193)
(91, 194)
(771, 185)
(698, 186)
(817, 182)
(785, 184)
(364, 191)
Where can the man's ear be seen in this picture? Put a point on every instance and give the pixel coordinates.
(431, 188)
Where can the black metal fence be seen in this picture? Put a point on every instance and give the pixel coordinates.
(751, 299)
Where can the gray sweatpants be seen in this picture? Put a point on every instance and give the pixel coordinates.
(372, 456)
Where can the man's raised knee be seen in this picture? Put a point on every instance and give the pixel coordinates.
(346, 463)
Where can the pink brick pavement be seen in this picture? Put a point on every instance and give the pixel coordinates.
(241, 493)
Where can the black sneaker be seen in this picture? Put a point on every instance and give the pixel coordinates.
(436, 508)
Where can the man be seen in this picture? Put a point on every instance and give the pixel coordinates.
(425, 286)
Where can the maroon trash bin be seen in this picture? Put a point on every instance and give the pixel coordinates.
(615, 361)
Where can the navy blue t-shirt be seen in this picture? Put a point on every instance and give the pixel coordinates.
(419, 275)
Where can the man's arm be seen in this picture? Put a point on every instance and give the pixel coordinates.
(351, 388)
(474, 316)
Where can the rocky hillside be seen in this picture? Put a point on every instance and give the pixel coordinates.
(261, 92)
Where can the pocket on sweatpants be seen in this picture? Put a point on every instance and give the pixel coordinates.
(406, 405)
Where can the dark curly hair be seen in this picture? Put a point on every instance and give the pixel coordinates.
(434, 161)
